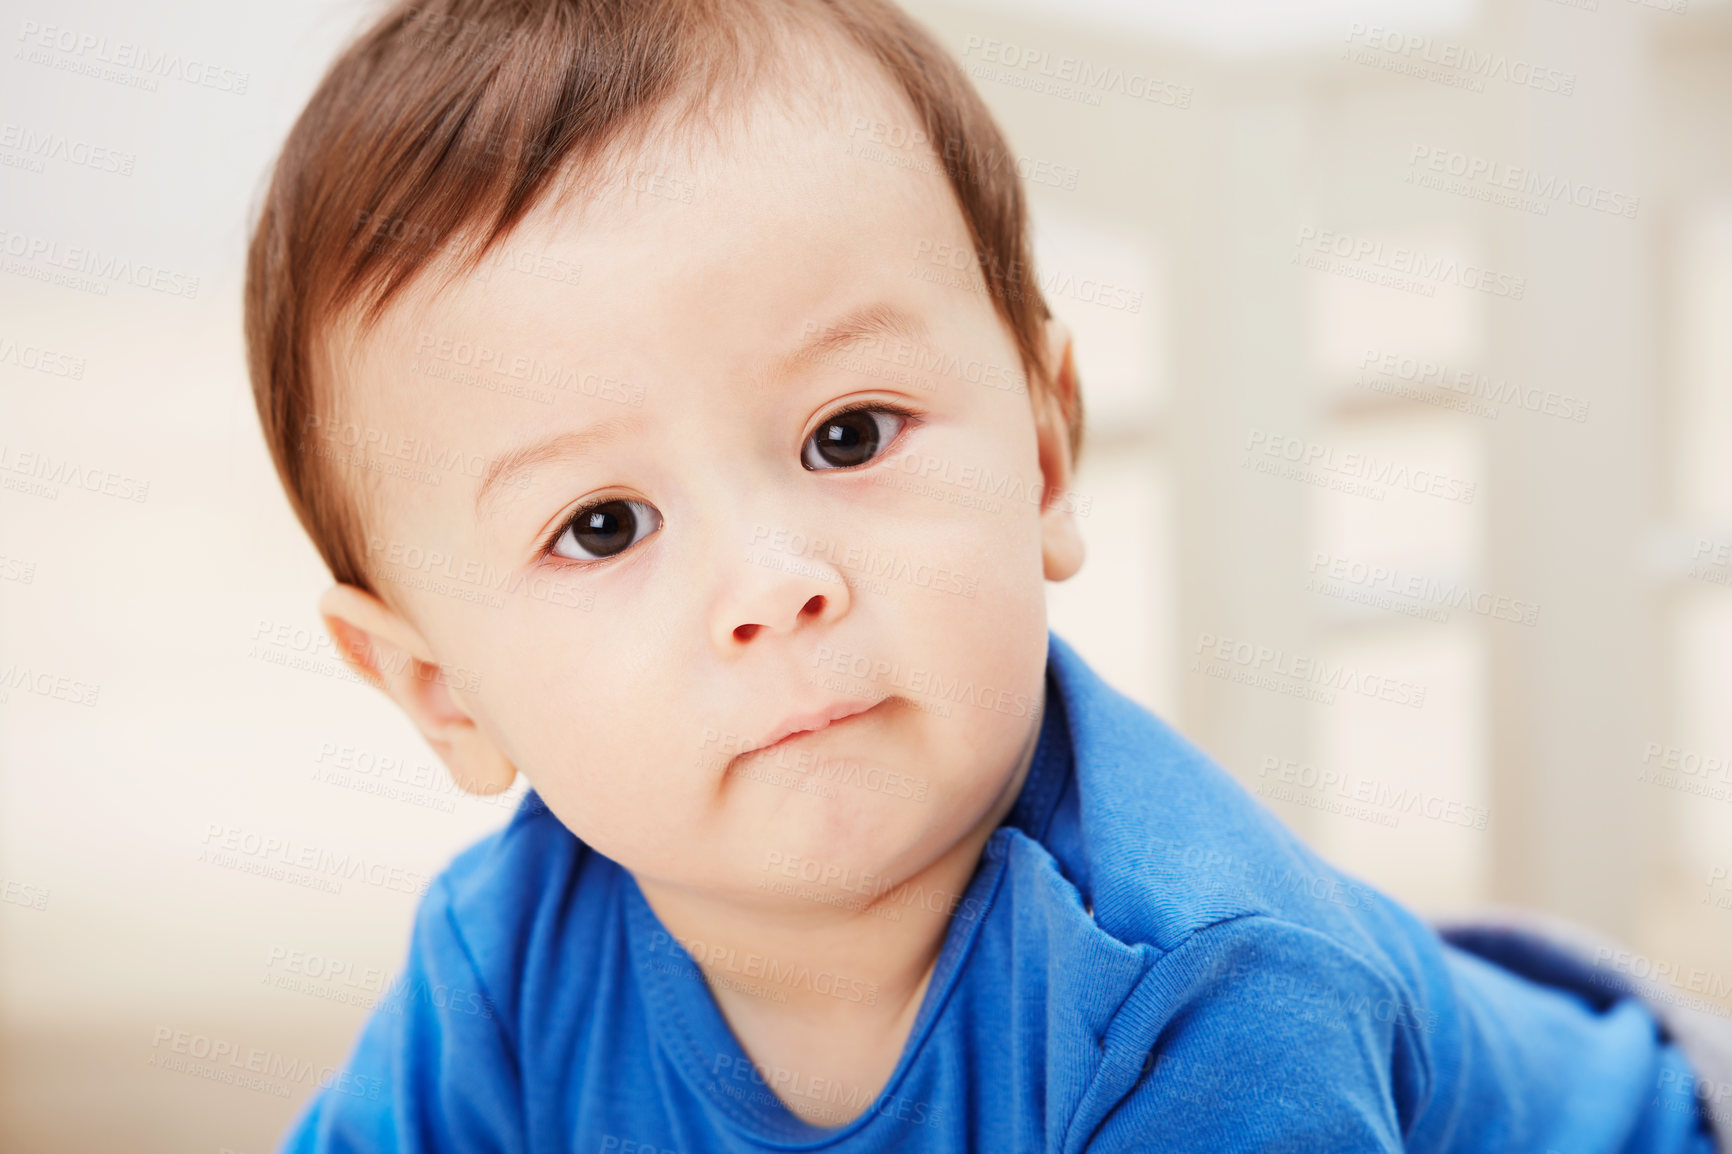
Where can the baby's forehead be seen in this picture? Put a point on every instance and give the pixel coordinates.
(805, 96)
(569, 307)
(820, 103)
(813, 106)
(804, 143)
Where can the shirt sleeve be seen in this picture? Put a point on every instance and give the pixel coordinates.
(434, 1071)
(1268, 1037)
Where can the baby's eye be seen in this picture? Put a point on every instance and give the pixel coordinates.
(604, 530)
(851, 437)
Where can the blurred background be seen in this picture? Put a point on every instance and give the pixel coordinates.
(1406, 334)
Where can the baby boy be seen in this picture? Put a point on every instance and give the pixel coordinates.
(831, 845)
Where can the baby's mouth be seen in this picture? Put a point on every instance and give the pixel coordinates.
(800, 725)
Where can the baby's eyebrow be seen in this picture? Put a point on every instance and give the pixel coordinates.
(856, 325)
(508, 465)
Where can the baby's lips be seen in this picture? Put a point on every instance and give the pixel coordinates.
(813, 721)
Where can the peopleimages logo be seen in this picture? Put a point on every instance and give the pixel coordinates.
(317, 867)
(87, 53)
(1431, 58)
(18, 678)
(1517, 186)
(484, 360)
(38, 359)
(1069, 76)
(1308, 677)
(1359, 473)
(49, 473)
(39, 146)
(775, 975)
(88, 269)
(1396, 371)
(1366, 798)
(1375, 584)
(469, 579)
(1365, 258)
(928, 683)
(864, 561)
(1686, 771)
(1663, 972)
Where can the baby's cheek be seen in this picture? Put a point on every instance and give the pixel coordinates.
(613, 798)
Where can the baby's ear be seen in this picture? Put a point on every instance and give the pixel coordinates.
(387, 651)
(1061, 543)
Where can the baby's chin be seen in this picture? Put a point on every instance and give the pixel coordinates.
(806, 851)
(843, 825)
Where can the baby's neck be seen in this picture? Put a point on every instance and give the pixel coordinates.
(847, 1043)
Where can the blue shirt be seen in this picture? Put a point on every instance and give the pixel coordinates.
(1144, 959)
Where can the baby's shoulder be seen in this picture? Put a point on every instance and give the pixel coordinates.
(521, 897)
(1171, 844)
(533, 843)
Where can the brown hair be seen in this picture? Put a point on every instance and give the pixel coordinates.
(453, 118)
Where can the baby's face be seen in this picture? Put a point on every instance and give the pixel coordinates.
(790, 471)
